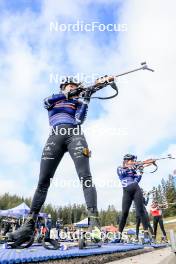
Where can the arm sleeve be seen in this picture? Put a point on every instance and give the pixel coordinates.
(81, 113)
(121, 172)
(51, 100)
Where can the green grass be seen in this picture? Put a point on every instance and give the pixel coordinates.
(169, 226)
(170, 218)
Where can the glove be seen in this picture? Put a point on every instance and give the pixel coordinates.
(141, 169)
(104, 80)
(87, 96)
(72, 93)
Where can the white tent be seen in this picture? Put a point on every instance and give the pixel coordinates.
(82, 223)
(21, 210)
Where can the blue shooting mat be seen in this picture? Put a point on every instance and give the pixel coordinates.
(36, 254)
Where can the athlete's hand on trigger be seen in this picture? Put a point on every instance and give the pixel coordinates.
(104, 79)
(86, 96)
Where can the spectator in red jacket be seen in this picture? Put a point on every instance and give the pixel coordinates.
(156, 212)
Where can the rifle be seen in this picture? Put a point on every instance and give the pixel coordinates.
(100, 83)
(140, 165)
(165, 205)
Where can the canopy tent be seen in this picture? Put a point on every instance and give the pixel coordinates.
(21, 210)
(131, 232)
(82, 223)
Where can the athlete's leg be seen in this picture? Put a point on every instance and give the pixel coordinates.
(51, 156)
(138, 200)
(138, 222)
(151, 229)
(155, 225)
(126, 204)
(148, 220)
(78, 149)
(162, 225)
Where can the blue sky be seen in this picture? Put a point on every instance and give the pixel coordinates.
(145, 109)
(103, 13)
(22, 5)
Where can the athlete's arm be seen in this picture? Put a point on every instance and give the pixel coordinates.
(81, 112)
(121, 172)
(137, 176)
(51, 100)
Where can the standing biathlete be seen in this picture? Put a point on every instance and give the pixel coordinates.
(156, 212)
(131, 192)
(138, 218)
(66, 112)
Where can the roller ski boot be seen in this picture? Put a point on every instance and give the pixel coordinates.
(153, 239)
(136, 240)
(164, 239)
(92, 238)
(49, 243)
(147, 238)
(23, 237)
(118, 238)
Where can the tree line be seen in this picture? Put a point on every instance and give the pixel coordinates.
(69, 214)
(164, 192)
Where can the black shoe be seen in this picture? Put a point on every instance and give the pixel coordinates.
(25, 232)
(93, 218)
(94, 225)
(118, 238)
(147, 238)
(136, 240)
(164, 239)
(153, 239)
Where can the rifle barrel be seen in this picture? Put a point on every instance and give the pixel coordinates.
(141, 68)
(144, 67)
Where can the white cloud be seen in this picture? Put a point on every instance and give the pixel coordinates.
(145, 106)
